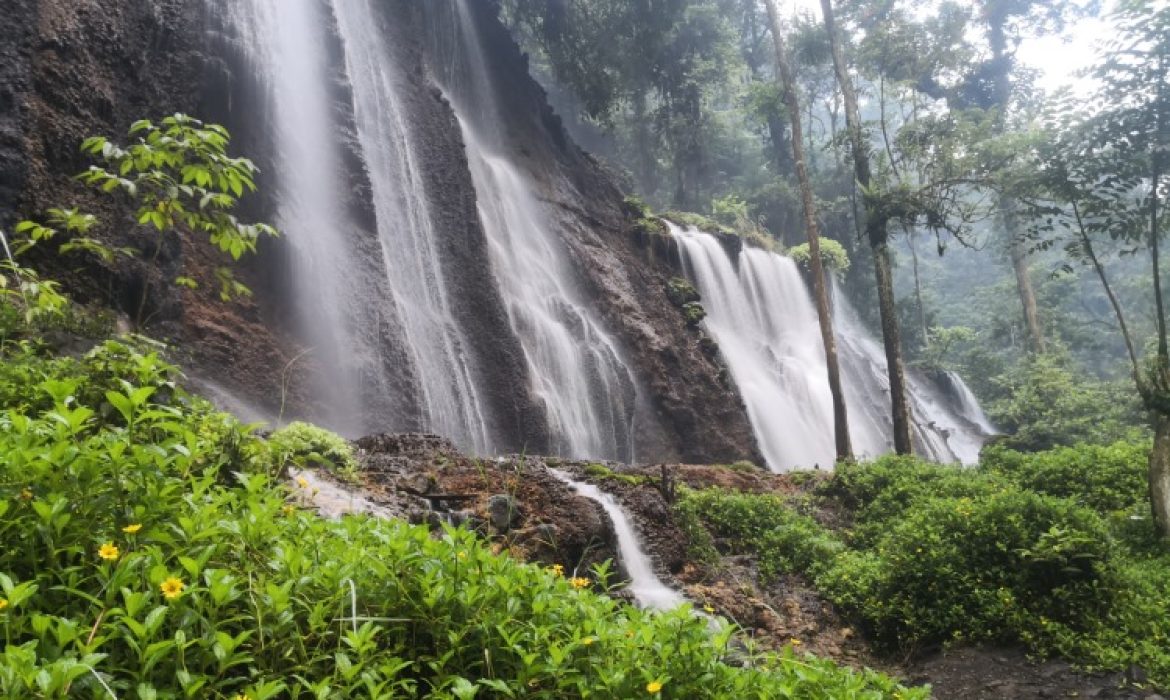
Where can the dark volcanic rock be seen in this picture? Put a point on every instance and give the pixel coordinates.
(689, 411)
(71, 69)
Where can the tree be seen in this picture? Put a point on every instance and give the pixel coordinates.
(877, 233)
(820, 287)
(1104, 174)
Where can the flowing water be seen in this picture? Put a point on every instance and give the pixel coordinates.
(355, 288)
(576, 367)
(760, 312)
(648, 590)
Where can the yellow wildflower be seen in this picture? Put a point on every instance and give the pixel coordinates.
(288, 509)
(577, 582)
(708, 609)
(26, 494)
(109, 552)
(302, 482)
(172, 588)
(461, 555)
(587, 641)
(558, 569)
(132, 528)
(795, 642)
(3, 603)
(241, 696)
(653, 687)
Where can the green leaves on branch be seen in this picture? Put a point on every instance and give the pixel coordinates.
(181, 177)
(833, 256)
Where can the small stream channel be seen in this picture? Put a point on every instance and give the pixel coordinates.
(648, 590)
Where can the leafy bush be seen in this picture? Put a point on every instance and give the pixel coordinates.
(146, 554)
(1103, 477)
(984, 568)
(883, 491)
(304, 445)
(833, 256)
(1041, 403)
(1010, 552)
(784, 541)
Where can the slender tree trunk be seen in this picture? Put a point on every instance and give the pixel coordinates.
(1159, 386)
(1160, 475)
(997, 38)
(1027, 293)
(1087, 244)
(918, 288)
(820, 288)
(877, 231)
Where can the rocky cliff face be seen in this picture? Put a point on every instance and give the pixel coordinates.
(81, 67)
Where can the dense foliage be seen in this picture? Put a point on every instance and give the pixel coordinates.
(1050, 549)
(150, 552)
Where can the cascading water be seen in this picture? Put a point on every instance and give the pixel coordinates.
(648, 590)
(760, 312)
(355, 296)
(576, 368)
(939, 431)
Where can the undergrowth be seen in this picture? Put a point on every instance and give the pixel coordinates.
(150, 550)
(1052, 550)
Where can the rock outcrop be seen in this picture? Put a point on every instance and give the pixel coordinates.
(78, 68)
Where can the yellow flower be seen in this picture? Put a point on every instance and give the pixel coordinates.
(241, 696)
(587, 641)
(461, 555)
(302, 482)
(109, 552)
(26, 494)
(653, 687)
(579, 583)
(708, 609)
(795, 642)
(132, 528)
(288, 509)
(558, 569)
(3, 603)
(172, 588)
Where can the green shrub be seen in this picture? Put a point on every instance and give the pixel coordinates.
(128, 560)
(833, 256)
(991, 567)
(305, 445)
(784, 541)
(879, 493)
(1104, 477)
(681, 292)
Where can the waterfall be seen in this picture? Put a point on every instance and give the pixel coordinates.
(968, 406)
(648, 590)
(368, 279)
(576, 367)
(760, 312)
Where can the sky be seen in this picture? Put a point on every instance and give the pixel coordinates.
(1058, 58)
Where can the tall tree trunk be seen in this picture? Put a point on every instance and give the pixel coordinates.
(1027, 293)
(1160, 475)
(1002, 85)
(877, 231)
(918, 288)
(820, 288)
(1158, 391)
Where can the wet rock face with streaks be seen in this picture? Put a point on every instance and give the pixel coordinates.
(75, 69)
